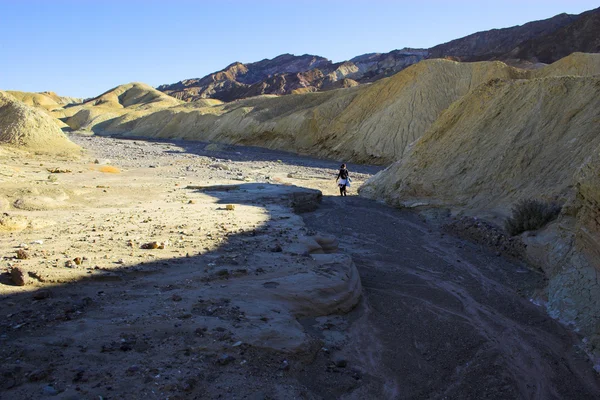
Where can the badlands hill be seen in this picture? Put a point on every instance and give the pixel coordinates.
(500, 143)
(544, 41)
(46, 100)
(370, 124)
(123, 99)
(31, 129)
(510, 140)
(373, 123)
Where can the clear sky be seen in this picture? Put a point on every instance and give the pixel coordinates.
(84, 47)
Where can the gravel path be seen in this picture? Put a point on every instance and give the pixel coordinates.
(444, 318)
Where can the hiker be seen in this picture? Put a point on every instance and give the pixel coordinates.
(343, 180)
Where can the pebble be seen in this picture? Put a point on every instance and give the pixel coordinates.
(341, 363)
(225, 359)
(49, 391)
(41, 294)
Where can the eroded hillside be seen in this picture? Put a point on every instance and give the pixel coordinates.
(374, 123)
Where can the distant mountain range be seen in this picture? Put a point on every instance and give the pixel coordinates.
(525, 45)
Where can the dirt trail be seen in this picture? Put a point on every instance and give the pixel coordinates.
(445, 319)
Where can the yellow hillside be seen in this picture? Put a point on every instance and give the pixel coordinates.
(31, 129)
(370, 123)
(505, 141)
(374, 123)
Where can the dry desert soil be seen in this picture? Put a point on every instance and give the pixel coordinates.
(187, 270)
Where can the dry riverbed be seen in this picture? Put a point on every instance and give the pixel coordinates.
(172, 269)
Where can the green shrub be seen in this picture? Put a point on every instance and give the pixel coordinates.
(530, 215)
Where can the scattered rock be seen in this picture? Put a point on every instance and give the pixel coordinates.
(58, 170)
(49, 391)
(150, 246)
(39, 375)
(18, 276)
(77, 260)
(230, 207)
(22, 254)
(176, 297)
(225, 359)
(341, 363)
(42, 294)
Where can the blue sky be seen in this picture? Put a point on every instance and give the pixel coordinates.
(85, 47)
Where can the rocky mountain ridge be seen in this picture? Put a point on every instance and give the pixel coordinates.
(544, 41)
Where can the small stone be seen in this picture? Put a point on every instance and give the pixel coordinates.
(41, 294)
(150, 246)
(69, 264)
(49, 391)
(237, 344)
(38, 375)
(277, 249)
(77, 260)
(225, 359)
(230, 207)
(132, 370)
(176, 297)
(341, 363)
(285, 366)
(22, 254)
(19, 277)
(192, 202)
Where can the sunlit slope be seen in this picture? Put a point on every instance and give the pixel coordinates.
(27, 128)
(505, 141)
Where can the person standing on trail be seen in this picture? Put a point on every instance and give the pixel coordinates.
(343, 180)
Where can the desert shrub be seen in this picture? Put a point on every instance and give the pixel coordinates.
(530, 214)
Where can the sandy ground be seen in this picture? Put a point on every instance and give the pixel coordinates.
(262, 301)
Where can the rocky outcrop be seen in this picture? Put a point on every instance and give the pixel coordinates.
(287, 74)
(583, 35)
(495, 43)
(31, 129)
(527, 45)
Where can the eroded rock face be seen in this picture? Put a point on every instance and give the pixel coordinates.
(287, 74)
(544, 41)
(499, 144)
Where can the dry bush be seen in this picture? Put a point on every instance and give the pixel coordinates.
(109, 169)
(530, 215)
